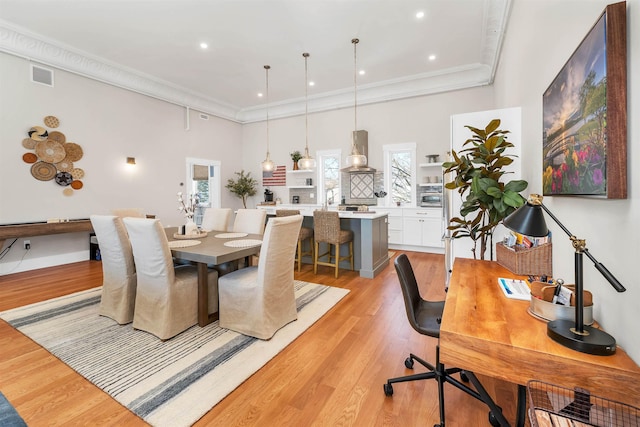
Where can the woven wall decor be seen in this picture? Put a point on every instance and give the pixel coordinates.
(52, 158)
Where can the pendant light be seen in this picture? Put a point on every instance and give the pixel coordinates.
(306, 162)
(267, 164)
(355, 159)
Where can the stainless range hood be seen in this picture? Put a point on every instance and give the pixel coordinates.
(361, 141)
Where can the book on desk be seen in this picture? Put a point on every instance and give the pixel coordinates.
(515, 289)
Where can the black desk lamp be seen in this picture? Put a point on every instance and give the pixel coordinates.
(529, 220)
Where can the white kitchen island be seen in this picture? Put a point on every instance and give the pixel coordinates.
(370, 236)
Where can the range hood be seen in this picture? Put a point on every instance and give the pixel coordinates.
(361, 141)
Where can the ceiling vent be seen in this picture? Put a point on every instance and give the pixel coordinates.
(204, 116)
(41, 75)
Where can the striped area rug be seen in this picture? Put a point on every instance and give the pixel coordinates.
(171, 383)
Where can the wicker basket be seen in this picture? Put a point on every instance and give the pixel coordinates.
(522, 261)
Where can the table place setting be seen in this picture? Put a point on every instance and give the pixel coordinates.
(243, 243)
(183, 243)
(231, 235)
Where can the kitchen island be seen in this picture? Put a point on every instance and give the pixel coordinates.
(370, 236)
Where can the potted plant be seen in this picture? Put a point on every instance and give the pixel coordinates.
(477, 172)
(243, 187)
(295, 156)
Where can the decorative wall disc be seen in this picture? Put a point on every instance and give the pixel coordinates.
(43, 171)
(76, 185)
(67, 191)
(29, 158)
(77, 173)
(38, 133)
(50, 151)
(58, 136)
(51, 121)
(65, 165)
(29, 143)
(74, 151)
(63, 178)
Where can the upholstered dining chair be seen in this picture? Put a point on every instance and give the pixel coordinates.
(306, 233)
(216, 219)
(425, 316)
(326, 229)
(167, 297)
(259, 300)
(250, 221)
(118, 268)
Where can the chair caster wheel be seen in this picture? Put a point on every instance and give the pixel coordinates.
(408, 363)
(493, 420)
(464, 377)
(388, 389)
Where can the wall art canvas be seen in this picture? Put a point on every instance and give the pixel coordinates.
(584, 115)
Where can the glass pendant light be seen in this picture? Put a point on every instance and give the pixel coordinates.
(306, 162)
(267, 164)
(355, 159)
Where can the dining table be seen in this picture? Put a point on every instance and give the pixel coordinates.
(214, 248)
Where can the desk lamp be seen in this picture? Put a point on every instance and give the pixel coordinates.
(529, 220)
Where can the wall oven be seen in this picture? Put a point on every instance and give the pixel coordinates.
(431, 195)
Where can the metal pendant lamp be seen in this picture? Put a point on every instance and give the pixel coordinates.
(355, 159)
(306, 162)
(267, 164)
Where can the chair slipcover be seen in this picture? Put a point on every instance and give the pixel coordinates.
(128, 212)
(257, 301)
(305, 233)
(216, 219)
(118, 268)
(167, 297)
(250, 221)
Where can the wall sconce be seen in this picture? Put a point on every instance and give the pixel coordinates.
(131, 160)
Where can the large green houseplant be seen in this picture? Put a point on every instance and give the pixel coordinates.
(477, 171)
(243, 187)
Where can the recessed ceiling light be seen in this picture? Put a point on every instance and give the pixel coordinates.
(259, 95)
(361, 72)
(203, 45)
(312, 83)
(420, 15)
(432, 57)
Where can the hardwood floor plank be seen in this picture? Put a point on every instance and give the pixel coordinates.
(331, 375)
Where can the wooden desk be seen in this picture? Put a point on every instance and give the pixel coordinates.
(211, 251)
(489, 334)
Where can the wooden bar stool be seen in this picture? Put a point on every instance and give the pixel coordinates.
(326, 228)
(306, 233)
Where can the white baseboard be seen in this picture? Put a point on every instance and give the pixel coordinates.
(28, 264)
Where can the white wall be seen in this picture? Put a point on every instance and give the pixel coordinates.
(109, 124)
(541, 36)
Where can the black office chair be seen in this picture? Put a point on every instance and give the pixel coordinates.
(425, 316)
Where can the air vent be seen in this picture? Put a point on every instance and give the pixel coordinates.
(41, 75)
(204, 116)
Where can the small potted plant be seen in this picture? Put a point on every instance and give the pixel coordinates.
(295, 156)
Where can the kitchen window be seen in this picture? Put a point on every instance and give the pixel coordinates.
(400, 173)
(329, 182)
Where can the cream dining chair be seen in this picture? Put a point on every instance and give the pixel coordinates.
(259, 300)
(306, 233)
(167, 297)
(217, 219)
(118, 268)
(128, 212)
(250, 221)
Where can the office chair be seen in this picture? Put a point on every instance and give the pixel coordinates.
(425, 316)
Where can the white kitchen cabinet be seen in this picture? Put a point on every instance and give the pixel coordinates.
(394, 220)
(422, 227)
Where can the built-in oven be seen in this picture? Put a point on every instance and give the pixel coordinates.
(431, 195)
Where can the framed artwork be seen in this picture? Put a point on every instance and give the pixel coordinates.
(585, 115)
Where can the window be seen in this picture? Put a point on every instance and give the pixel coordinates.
(400, 173)
(203, 178)
(329, 176)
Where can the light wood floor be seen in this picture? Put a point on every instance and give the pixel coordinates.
(330, 376)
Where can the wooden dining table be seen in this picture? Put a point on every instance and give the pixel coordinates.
(211, 251)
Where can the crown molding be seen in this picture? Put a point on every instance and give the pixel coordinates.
(37, 48)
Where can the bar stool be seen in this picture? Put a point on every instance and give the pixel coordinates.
(326, 229)
(305, 233)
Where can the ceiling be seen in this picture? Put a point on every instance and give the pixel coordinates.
(152, 46)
